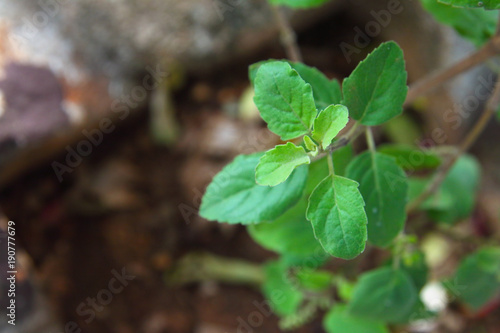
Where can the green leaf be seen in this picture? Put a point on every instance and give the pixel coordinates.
(460, 188)
(310, 144)
(339, 320)
(414, 264)
(402, 129)
(234, 197)
(477, 25)
(456, 197)
(283, 295)
(376, 90)
(290, 234)
(298, 3)
(419, 312)
(477, 280)
(325, 91)
(284, 99)
(338, 217)
(487, 4)
(329, 123)
(341, 159)
(411, 158)
(314, 280)
(345, 288)
(417, 185)
(384, 187)
(278, 163)
(318, 170)
(384, 294)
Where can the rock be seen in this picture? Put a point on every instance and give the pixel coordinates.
(32, 105)
(121, 37)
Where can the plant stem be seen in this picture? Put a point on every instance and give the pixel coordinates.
(330, 163)
(435, 79)
(487, 51)
(491, 107)
(199, 267)
(343, 141)
(287, 35)
(369, 139)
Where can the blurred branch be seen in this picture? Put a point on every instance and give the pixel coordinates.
(287, 35)
(440, 175)
(423, 86)
(435, 79)
(199, 267)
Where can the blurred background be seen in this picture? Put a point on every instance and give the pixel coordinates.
(114, 117)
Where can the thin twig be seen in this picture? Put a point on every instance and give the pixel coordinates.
(287, 35)
(491, 106)
(435, 79)
(437, 180)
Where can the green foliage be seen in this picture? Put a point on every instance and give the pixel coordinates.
(376, 90)
(384, 188)
(234, 197)
(298, 3)
(290, 234)
(413, 263)
(339, 320)
(341, 159)
(338, 217)
(456, 197)
(276, 165)
(325, 91)
(318, 170)
(477, 25)
(329, 123)
(410, 158)
(477, 280)
(487, 4)
(458, 191)
(283, 295)
(384, 294)
(284, 99)
(314, 197)
(314, 279)
(292, 291)
(310, 145)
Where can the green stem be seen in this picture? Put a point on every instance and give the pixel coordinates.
(369, 139)
(396, 261)
(399, 247)
(199, 267)
(330, 163)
